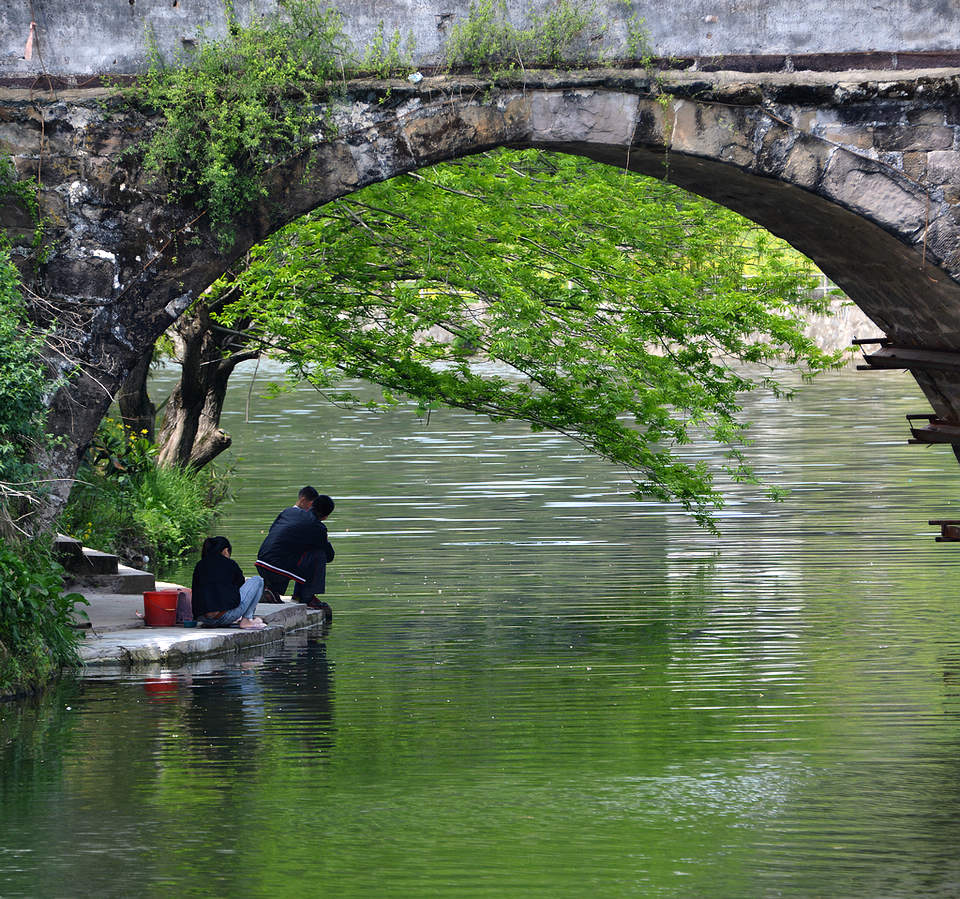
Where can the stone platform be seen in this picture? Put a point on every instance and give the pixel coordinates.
(117, 636)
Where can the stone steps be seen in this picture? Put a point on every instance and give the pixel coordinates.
(98, 571)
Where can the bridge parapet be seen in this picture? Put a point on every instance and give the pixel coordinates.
(116, 36)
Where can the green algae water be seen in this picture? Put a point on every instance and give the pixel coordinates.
(534, 685)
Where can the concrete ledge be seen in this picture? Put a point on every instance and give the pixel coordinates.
(174, 645)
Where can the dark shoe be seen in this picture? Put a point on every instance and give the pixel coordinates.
(269, 596)
(320, 605)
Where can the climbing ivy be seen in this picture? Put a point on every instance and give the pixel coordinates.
(235, 106)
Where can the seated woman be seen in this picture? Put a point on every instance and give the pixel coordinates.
(221, 596)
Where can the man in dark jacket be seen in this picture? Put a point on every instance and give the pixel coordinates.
(296, 548)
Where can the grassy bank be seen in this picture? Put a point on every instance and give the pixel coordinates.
(124, 503)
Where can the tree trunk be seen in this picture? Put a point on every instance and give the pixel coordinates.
(191, 434)
(137, 411)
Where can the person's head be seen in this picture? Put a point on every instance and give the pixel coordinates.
(216, 546)
(322, 506)
(306, 497)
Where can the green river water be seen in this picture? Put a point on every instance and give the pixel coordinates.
(535, 686)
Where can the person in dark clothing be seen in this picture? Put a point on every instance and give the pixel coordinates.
(221, 594)
(296, 548)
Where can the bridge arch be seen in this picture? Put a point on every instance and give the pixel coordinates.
(887, 238)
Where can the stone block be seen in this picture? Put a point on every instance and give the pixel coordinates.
(925, 116)
(101, 140)
(516, 117)
(879, 194)
(807, 161)
(16, 140)
(915, 165)
(487, 125)
(651, 124)
(26, 166)
(860, 138)
(778, 140)
(329, 172)
(918, 137)
(14, 215)
(60, 168)
(54, 207)
(695, 129)
(715, 131)
(447, 132)
(583, 116)
(943, 170)
(943, 239)
(68, 552)
(86, 277)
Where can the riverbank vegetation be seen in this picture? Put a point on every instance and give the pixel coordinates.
(147, 514)
(36, 638)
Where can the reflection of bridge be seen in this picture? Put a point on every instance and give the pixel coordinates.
(859, 170)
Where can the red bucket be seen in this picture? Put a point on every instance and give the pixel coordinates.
(160, 608)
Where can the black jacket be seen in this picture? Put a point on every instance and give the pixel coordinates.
(216, 585)
(294, 532)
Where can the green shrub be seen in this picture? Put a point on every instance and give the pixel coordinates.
(236, 105)
(36, 638)
(487, 40)
(124, 503)
(175, 510)
(23, 380)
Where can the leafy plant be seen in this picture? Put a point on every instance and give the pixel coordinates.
(120, 453)
(23, 380)
(237, 105)
(487, 40)
(24, 193)
(36, 638)
(175, 510)
(124, 502)
(384, 58)
(639, 45)
(625, 305)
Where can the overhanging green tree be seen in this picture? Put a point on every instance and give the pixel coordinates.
(630, 314)
(624, 308)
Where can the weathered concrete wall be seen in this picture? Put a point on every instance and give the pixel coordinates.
(109, 36)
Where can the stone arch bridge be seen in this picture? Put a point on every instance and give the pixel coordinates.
(859, 170)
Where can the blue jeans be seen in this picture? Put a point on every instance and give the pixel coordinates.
(250, 594)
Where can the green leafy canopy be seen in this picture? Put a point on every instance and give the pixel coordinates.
(623, 306)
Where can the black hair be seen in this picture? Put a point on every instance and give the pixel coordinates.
(322, 506)
(309, 493)
(213, 546)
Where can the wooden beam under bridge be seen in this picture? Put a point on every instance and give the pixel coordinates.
(936, 430)
(911, 358)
